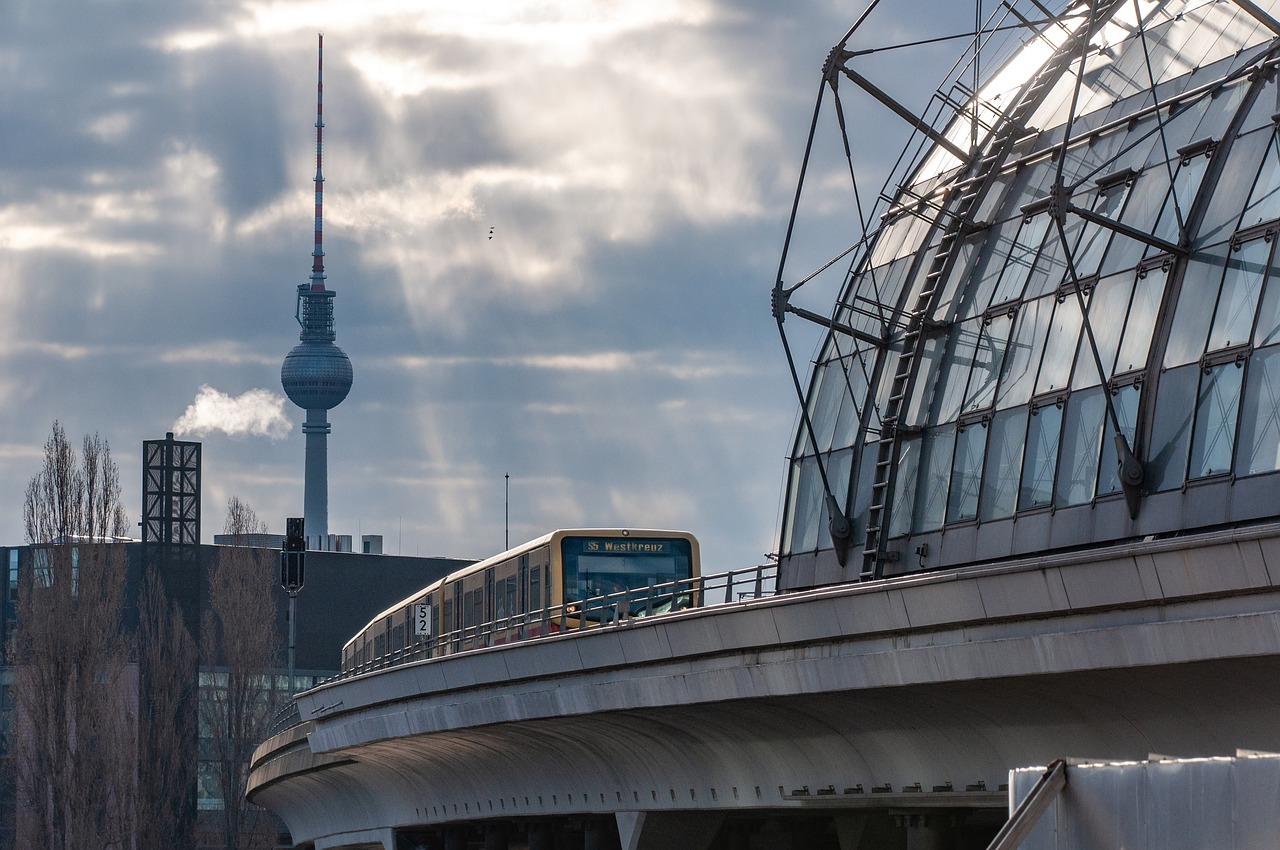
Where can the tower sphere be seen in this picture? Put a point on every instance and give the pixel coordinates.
(316, 375)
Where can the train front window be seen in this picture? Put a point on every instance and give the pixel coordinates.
(598, 566)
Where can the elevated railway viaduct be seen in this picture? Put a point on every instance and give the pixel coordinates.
(883, 713)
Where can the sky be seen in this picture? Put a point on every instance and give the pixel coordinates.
(552, 228)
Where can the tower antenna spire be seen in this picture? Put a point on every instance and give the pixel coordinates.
(317, 255)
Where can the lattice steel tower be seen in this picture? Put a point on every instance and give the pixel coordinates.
(316, 374)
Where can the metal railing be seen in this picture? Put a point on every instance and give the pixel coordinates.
(608, 610)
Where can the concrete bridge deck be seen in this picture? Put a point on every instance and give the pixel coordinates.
(913, 696)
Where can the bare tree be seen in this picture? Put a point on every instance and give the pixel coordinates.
(75, 690)
(167, 730)
(240, 640)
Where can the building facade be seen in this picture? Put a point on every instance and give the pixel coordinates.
(342, 591)
(1061, 325)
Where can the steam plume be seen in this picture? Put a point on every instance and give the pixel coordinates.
(257, 413)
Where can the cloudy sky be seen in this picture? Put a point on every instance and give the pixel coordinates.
(552, 227)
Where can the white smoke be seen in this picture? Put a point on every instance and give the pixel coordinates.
(256, 413)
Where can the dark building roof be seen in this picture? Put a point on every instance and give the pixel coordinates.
(343, 590)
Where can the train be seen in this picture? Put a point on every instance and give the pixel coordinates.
(566, 580)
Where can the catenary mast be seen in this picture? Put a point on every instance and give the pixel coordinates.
(316, 374)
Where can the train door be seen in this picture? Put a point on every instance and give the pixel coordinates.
(455, 624)
(428, 627)
(488, 617)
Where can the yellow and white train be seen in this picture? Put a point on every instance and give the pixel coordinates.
(564, 580)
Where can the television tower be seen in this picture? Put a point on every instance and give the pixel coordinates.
(316, 374)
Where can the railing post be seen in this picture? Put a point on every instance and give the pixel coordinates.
(728, 587)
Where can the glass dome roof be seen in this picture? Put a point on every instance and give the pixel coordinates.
(1063, 328)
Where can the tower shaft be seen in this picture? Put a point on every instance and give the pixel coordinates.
(315, 499)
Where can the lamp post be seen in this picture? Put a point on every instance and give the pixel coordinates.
(292, 565)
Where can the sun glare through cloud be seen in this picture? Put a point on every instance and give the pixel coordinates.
(543, 222)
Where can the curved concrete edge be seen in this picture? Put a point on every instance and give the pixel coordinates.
(1135, 575)
(1184, 634)
(289, 765)
(916, 748)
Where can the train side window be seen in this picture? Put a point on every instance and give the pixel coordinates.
(489, 594)
(535, 588)
(510, 593)
(523, 584)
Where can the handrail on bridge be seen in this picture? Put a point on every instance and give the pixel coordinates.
(610, 609)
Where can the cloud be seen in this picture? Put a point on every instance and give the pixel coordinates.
(256, 413)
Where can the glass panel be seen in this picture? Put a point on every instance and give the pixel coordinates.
(1146, 199)
(927, 373)
(1267, 329)
(1171, 428)
(1148, 291)
(904, 491)
(1088, 254)
(1023, 355)
(1222, 104)
(1021, 256)
(1050, 267)
(1217, 406)
(839, 468)
(1060, 350)
(1237, 176)
(855, 392)
(1041, 459)
(1125, 401)
(960, 271)
(995, 250)
(1186, 183)
(862, 495)
(1264, 201)
(883, 388)
(1260, 416)
(1081, 435)
(1195, 306)
(1233, 320)
(987, 360)
(956, 365)
(966, 472)
(990, 201)
(1003, 464)
(1107, 305)
(824, 401)
(935, 472)
(806, 498)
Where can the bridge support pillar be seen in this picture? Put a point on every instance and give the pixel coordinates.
(541, 837)
(660, 830)
(929, 831)
(455, 838)
(495, 837)
(849, 829)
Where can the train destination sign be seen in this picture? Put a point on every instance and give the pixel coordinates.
(628, 547)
